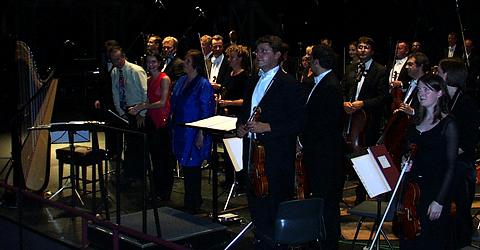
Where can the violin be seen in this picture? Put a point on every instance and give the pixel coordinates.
(300, 178)
(406, 221)
(258, 174)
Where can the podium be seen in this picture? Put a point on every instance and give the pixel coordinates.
(217, 126)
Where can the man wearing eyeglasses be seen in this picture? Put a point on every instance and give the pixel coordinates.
(278, 101)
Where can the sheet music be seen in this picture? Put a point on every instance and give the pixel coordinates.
(370, 174)
(234, 148)
(218, 122)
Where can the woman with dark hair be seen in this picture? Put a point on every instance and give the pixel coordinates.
(192, 99)
(158, 110)
(467, 116)
(435, 134)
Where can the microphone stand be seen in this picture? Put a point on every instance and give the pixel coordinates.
(467, 61)
(200, 14)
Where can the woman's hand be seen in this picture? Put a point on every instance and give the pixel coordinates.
(407, 109)
(434, 210)
(199, 140)
(407, 164)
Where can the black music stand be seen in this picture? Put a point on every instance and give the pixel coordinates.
(71, 128)
(217, 126)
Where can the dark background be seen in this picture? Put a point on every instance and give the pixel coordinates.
(60, 32)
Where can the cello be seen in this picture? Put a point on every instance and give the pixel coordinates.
(354, 132)
(258, 175)
(301, 188)
(406, 222)
(354, 128)
(397, 93)
(394, 135)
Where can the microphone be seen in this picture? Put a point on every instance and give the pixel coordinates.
(201, 13)
(69, 43)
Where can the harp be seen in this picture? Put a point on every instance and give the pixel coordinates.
(36, 96)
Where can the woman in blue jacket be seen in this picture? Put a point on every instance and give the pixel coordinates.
(192, 99)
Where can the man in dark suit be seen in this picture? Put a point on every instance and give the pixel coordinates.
(399, 77)
(172, 65)
(367, 89)
(281, 100)
(322, 140)
(454, 49)
(217, 64)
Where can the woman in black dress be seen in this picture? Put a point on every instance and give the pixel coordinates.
(435, 134)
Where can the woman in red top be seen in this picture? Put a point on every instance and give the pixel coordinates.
(158, 109)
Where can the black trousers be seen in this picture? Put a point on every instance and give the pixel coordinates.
(161, 156)
(464, 193)
(193, 188)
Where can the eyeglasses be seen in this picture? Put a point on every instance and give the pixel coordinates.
(360, 47)
(262, 51)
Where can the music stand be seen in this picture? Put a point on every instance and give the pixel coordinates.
(379, 175)
(217, 126)
(234, 148)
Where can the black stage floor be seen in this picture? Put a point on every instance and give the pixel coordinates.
(37, 226)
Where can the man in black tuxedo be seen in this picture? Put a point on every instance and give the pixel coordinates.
(366, 91)
(172, 65)
(322, 140)
(454, 49)
(399, 77)
(217, 64)
(281, 100)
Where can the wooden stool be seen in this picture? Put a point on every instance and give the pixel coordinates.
(83, 157)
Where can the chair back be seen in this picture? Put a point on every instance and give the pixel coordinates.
(299, 221)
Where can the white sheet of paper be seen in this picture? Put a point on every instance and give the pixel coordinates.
(384, 161)
(235, 151)
(370, 174)
(218, 122)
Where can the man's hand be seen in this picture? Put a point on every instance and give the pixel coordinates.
(357, 105)
(258, 127)
(136, 109)
(395, 84)
(140, 121)
(434, 210)
(97, 104)
(242, 131)
(351, 107)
